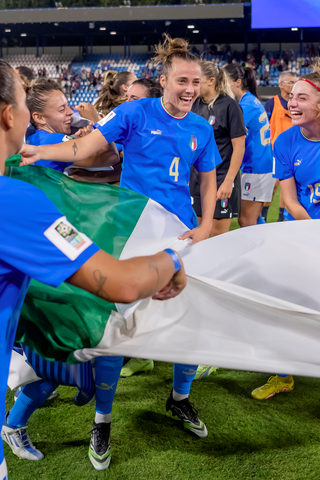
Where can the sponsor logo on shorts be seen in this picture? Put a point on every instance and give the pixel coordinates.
(224, 211)
(224, 203)
(247, 186)
(212, 119)
(193, 142)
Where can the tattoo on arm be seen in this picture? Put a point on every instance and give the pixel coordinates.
(100, 282)
(75, 149)
(152, 264)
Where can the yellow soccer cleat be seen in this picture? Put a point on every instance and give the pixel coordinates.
(274, 385)
(136, 365)
(204, 371)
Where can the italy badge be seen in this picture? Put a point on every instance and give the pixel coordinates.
(193, 142)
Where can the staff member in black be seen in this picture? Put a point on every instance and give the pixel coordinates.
(217, 105)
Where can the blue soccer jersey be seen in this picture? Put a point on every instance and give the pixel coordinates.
(42, 137)
(298, 157)
(36, 241)
(159, 150)
(258, 156)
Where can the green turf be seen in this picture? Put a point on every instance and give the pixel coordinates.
(277, 439)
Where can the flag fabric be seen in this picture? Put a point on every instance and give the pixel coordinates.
(252, 299)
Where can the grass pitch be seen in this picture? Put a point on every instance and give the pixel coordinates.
(277, 439)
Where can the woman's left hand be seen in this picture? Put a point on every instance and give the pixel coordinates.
(82, 132)
(196, 234)
(225, 189)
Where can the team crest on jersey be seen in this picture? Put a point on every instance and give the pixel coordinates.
(224, 203)
(193, 142)
(247, 186)
(70, 234)
(212, 119)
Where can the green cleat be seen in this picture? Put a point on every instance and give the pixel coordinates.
(136, 365)
(188, 415)
(99, 449)
(203, 371)
(274, 385)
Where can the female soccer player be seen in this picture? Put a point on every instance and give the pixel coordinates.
(297, 165)
(114, 91)
(42, 257)
(256, 181)
(144, 88)
(162, 139)
(216, 104)
(51, 117)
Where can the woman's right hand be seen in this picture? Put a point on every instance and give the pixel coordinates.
(29, 154)
(86, 110)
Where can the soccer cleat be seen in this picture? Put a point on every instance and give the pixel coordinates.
(185, 411)
(274, 385)
(261, 220)
(51, 397)
(136, 365)
(99, 449)
(203, 371)
(19, 441)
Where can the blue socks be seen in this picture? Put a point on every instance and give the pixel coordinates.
(182, 377)
(32, 396)
(107, 373)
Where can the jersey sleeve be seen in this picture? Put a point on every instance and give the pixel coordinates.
(119, 125)
(283, 167)
(209, 157)
(269, 106)
(37, 239)
(235, 121)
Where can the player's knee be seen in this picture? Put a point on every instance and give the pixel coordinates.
(246, 221)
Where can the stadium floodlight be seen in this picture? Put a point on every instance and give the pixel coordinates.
(103, 28)
(113, 33)
(294, 29)
(232, 20)
(167, 23)
(195, 31)
(190, 26)
(56, 24)
(91, 25)
(23, 34)
(7, 30)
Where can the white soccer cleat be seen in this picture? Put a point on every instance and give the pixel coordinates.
(19, 441)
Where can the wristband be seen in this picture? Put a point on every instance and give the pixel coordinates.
(175, 259)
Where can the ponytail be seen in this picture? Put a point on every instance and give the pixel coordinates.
(170, 49)
(111, 95)
(222, 87)
(246, 75)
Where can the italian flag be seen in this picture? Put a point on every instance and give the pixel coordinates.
(252, 300)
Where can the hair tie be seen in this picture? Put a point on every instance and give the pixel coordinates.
(311, 83)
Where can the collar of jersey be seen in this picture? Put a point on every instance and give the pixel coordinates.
(167, 111)
(310, 139)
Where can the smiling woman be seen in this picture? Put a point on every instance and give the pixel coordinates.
(297, 151)
(51, 116)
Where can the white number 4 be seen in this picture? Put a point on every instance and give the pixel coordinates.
(174, 168)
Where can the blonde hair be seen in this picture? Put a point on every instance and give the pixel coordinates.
(315, 75)
(111, 95)
(222, 86)
(170, 49)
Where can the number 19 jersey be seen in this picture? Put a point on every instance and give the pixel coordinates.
(258, 156)
(159, 150)
(299, 157)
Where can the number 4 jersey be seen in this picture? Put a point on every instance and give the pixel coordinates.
(298, 157)
(258, 154)
(159, 150)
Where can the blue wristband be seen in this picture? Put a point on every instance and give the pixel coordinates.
(175, 259)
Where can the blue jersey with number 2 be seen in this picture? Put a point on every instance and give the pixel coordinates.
(258, 156)
(159, 150)
(298, 157)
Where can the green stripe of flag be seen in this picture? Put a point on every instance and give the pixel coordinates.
(108, 215)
